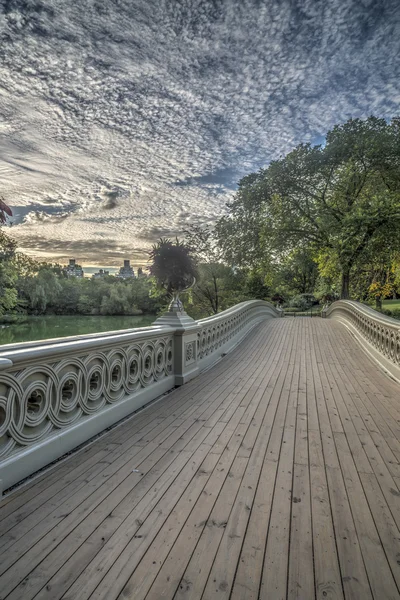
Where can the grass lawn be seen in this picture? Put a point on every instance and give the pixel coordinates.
(391, 304)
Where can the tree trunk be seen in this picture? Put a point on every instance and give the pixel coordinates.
(378, 303)
(345, 293)
(216, 295)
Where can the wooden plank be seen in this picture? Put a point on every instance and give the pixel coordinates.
(250, 562)
(366, 456)
(134, 534)
(389, 533)
(120, 578)
(373, 423)
(328, 584)
(375, 560)
(209, 527)
(105, 541)
(275, 568)
(327, 572)
(353, 573)
(301, 564)
(379, 573)
(219, 549)
(379, 389)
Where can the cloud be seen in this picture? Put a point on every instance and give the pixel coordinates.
(52, 249)
(37, 216)
(110, 199)
(119, 117)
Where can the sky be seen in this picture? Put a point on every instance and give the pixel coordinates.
(125, 120)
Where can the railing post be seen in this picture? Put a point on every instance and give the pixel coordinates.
(186, 365)
(324, 309)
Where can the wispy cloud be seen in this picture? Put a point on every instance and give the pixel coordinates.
(119, 118)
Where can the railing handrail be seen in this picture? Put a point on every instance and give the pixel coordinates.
(72, 338)
(25, 351)
(238, 308)
(363, 309)
(379, 335)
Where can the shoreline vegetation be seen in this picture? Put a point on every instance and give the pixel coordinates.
(390, 308)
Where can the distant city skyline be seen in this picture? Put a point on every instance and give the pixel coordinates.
(90, 269)
(123, 122)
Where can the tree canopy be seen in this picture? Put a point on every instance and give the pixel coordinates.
(339, 200)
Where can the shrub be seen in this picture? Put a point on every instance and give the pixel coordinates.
(302, 302)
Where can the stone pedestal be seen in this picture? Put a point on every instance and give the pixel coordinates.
(185, 341)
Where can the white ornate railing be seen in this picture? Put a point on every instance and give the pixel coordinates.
(378, 334)
(220, 332)
(57, 394)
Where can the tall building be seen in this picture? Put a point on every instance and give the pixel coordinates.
(73, 270)
(100, 274)
(126, 272)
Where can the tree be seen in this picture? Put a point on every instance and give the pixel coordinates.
(68, 298)
(257, 286)
(221, 286)
(215, 289)
(202, 244)
(376, 277)
(42, 290)
(8, 275)
(117, 302)
(297, 273)
(173, 265)
(337, 199)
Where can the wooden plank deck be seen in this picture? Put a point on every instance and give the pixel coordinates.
(274, 475)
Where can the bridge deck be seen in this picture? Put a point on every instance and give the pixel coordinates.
(274, 475)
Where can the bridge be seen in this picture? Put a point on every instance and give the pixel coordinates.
(242, 456)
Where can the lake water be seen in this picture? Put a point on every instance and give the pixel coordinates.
(53, 326)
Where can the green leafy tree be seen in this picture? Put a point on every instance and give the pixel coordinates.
(212, 273)
(8, 274)
(209, 293)
(297, 272)
(219, 286)
(86, 305)
(337, 199)
(68, 299)
(257, 285)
